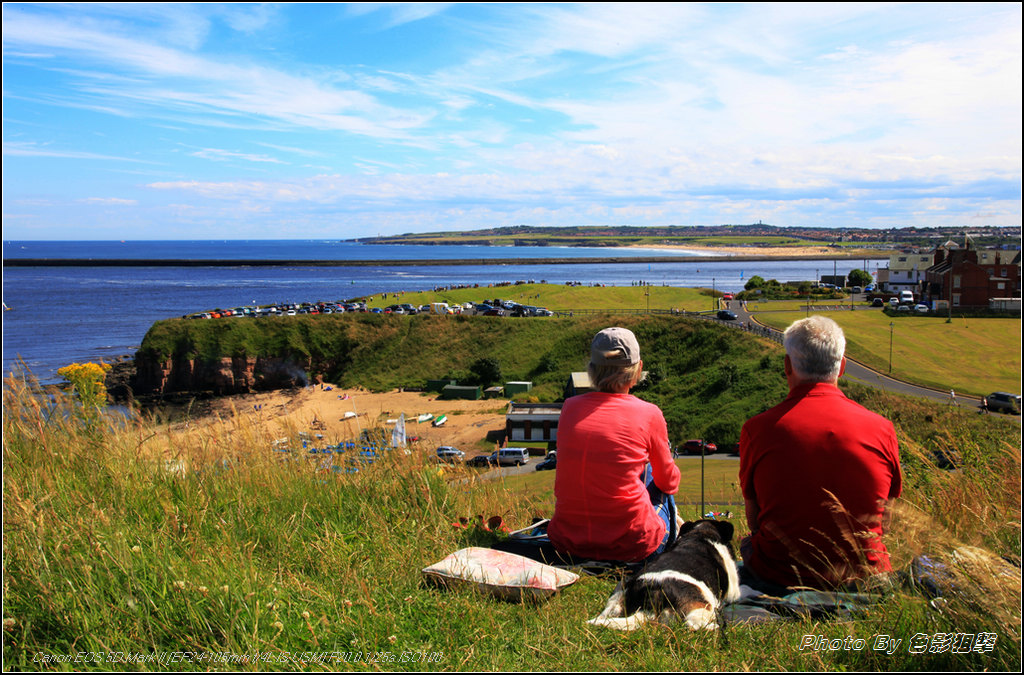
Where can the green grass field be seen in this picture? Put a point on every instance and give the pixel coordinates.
(720, 488)
(972, 356)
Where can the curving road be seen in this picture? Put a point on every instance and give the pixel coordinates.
(858, 372)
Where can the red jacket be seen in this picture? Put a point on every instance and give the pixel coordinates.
(602, 508)
(820, 469)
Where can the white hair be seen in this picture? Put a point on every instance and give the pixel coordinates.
(815, 347)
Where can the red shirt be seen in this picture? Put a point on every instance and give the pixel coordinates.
(602, 507)
(793, 458)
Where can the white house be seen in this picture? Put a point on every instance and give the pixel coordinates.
(905, 272)
(532, 422)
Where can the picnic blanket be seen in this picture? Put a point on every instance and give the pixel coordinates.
(753, 606)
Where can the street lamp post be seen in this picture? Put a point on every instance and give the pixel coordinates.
(891, 324)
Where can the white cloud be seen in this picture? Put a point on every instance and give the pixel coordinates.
(175, 82)
(227, 155)
(109, 201)
(31, 149)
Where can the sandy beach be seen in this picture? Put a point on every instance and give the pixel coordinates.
(762, 251)
(340, 415)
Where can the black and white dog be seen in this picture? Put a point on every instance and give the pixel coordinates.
(691, 580)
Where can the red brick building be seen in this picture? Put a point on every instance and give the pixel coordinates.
(969, 278)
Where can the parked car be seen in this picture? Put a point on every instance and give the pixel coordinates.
(696, 446)
(877, 302)
(903, 308)
(922, 308)
(480, 460)
(511, 456)
(726, 315)
(549, 462)
(447, 453)
(1003, 401)
(893, 302)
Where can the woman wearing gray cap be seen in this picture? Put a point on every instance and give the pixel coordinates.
(615, 473)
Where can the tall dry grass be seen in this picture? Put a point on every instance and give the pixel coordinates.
(126, 536)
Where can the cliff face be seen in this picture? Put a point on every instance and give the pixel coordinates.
(227, 375)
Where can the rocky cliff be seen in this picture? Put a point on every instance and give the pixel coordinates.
(222, 376)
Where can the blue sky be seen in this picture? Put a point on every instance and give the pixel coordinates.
(238, 121)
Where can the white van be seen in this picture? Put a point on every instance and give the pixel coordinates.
(907, 297)
(511, 456)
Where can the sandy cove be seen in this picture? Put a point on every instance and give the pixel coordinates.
(326, 410)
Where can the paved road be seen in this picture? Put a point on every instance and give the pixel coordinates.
(858, 372)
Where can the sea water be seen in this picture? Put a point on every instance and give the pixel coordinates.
(59, 315)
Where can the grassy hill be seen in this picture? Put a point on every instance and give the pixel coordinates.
(707, 378)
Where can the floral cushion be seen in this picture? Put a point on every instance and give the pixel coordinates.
(505, 575)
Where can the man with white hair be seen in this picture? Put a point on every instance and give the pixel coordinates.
(817, 472)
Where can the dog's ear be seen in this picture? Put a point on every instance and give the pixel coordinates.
(686, 527)
(725, 530)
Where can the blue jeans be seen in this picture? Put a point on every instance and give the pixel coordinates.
(665, 507)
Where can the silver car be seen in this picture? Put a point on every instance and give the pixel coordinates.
(1002, 401)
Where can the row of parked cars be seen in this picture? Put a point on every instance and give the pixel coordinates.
(284, 310)
(492, 308)
(520, 456)
(503, 457)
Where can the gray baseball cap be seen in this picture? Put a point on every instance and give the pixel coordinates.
(615, 347)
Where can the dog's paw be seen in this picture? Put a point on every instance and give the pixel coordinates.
(624, 623)
(701, 618)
